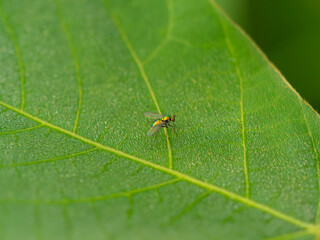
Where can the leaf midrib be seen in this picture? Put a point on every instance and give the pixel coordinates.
(311, 227)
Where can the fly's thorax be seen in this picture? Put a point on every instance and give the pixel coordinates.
(166, 119)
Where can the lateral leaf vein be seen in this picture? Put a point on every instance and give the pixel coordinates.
(169, 171)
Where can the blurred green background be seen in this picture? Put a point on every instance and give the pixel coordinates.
(288, 31)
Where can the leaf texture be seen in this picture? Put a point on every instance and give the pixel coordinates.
(75, 161)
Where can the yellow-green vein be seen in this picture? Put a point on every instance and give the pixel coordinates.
(190, 206)
(18, 53)
(242, 114)
(142, 71)
(213, 3)
(116, 195)
(182, 176)
(20, 130)
(316, 156)
(75, 60)
(64, 201)
(48, 160)
(292, 235)
(105, 131)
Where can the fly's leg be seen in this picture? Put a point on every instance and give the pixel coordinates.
(174, 127)
(154, 141)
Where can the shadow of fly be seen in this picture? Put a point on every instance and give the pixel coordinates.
(160, 122)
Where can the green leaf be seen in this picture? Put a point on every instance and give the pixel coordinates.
(75, 160)
(290, 37)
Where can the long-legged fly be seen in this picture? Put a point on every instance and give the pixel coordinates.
(160, 121)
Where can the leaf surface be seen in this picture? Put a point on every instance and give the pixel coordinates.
(75, 161)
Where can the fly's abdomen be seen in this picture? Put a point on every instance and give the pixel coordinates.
(156, 122)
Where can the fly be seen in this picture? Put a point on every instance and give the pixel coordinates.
(160, 121)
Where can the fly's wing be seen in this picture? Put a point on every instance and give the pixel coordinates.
(155, 128)
(153, 115)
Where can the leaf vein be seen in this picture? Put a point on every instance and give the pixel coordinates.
(17, 50)
(142, 71)
(190, 206)
(74, 54)
(292, 235)
(214, 5)
(20, 130)
(101, 137)
(49, 160)
(316, 156)
(177, 174)
(127, 194)
(242, 113)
